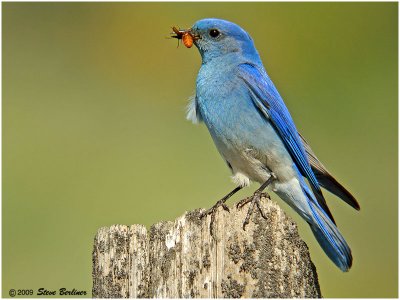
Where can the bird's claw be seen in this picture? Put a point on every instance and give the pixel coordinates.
(243, 202)
(255, 200)
(213, 211)
(214, 208)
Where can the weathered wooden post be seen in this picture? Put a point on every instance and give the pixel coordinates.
(181, 259)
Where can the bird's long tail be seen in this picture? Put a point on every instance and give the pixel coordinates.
(326, 232)
(330, 239)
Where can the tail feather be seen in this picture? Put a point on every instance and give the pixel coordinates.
(330, 239)
(326, 232)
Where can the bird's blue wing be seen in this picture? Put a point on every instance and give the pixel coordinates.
(268, 100)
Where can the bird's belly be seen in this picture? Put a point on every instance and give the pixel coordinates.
(258, 164)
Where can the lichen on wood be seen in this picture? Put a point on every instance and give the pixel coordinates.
(180, 259)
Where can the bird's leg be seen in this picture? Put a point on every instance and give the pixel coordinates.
(213, 210)
(255, 200)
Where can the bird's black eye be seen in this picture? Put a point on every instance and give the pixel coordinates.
(214, 33)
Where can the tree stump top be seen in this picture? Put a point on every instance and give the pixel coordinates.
(180, 259)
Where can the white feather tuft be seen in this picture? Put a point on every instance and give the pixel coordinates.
(241, 179)
(191, 110)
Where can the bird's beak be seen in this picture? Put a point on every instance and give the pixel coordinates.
(187, 36)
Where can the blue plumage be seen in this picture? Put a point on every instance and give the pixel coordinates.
(255, 134)
(269, 101)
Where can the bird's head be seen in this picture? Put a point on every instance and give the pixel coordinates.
(216, 38)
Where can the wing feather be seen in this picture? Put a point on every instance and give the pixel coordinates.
(270, 103)
(326, 180)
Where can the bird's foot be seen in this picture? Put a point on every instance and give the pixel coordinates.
(213, 211)
(255, 200)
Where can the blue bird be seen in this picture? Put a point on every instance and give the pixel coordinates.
(255, 134)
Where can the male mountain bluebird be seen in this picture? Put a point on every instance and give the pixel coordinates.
(255, 134)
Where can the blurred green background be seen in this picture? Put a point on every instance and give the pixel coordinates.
(94, 129)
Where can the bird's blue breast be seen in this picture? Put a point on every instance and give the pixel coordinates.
(227, 109)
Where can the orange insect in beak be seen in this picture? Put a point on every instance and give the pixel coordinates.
(185, 35)
(187, 39)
